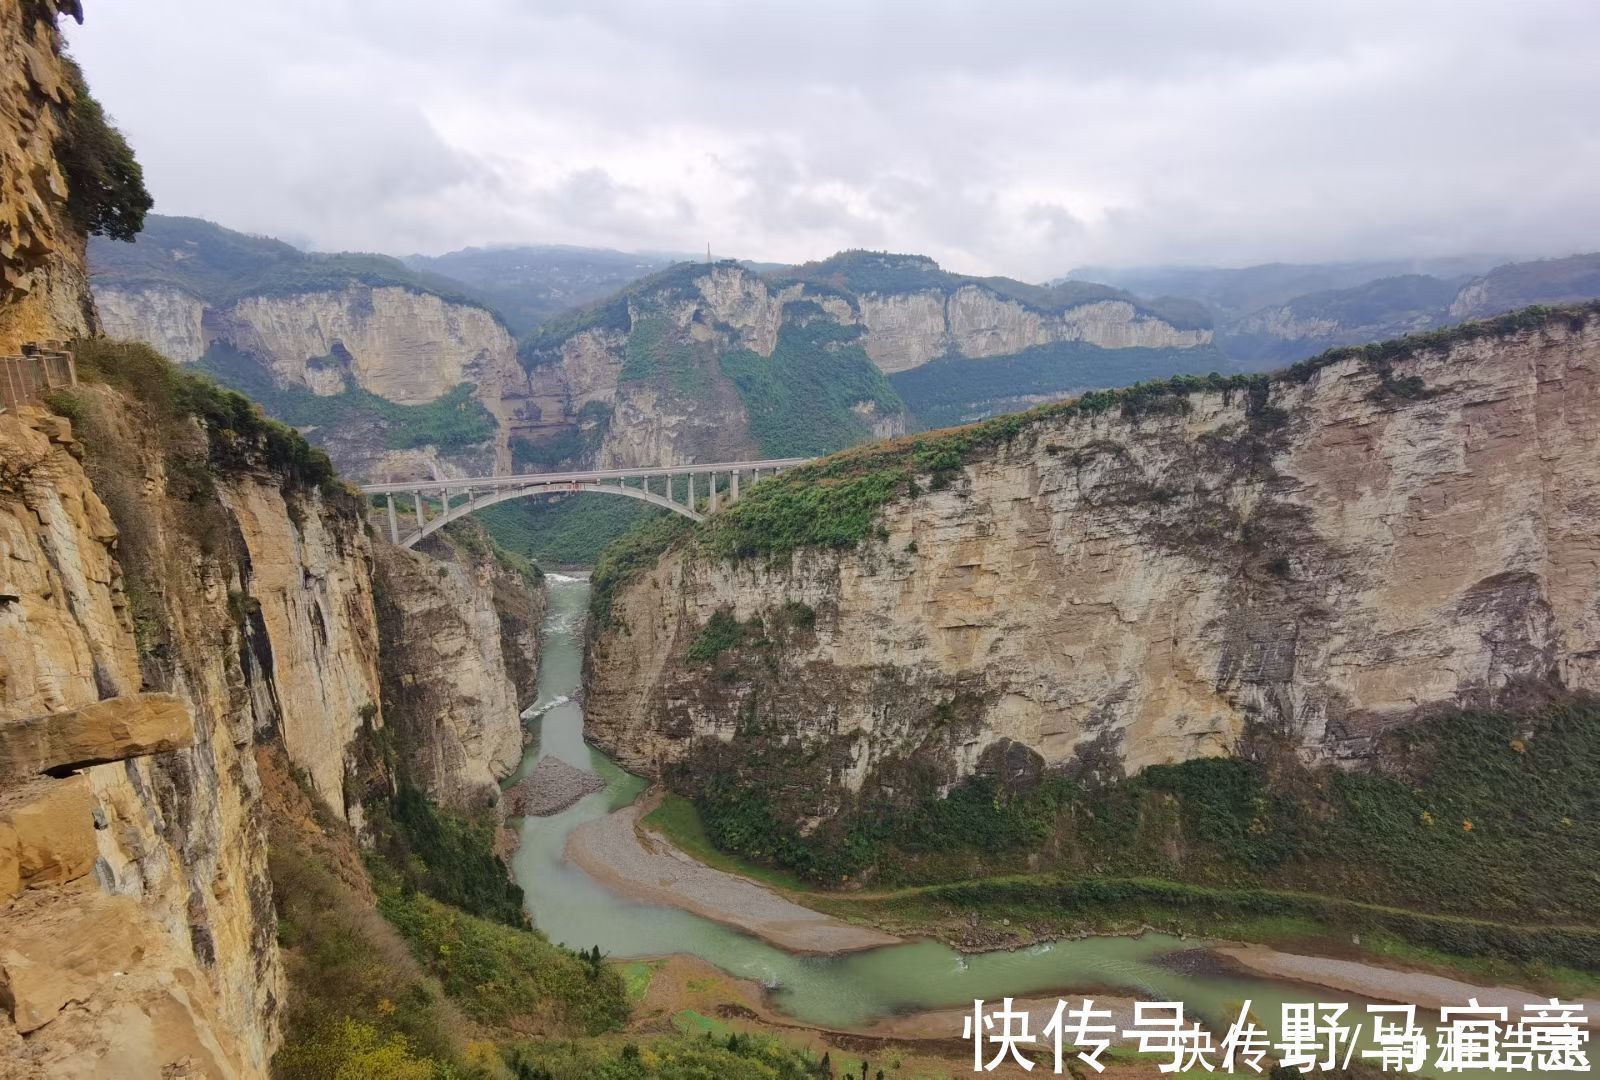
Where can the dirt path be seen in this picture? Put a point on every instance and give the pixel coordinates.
(1384, 984)
(617, 853)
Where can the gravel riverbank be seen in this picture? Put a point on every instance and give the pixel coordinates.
(550, 788)
(615, 852)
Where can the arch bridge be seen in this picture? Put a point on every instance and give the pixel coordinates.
(451, 500)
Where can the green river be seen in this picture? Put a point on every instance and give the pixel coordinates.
(847, 991)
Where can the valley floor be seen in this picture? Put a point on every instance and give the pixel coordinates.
(629, 853)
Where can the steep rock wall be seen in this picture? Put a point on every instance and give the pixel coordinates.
(169, 320)
(176, 924)
(1327, 557)
(671, 404)
(405, 346)
(44, 289)
(132, 566)
(460, 639)
(906, 330)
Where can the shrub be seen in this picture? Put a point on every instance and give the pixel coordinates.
(720, 633)
(106, 195)
(446, 855)
(500, 975)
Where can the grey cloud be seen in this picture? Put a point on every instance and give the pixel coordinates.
(1018, 137)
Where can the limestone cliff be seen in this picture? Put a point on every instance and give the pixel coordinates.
(1143, 577)
(44, 291)
(251, 605)
(906, 330)
(170, 595)
(702, 363)
(401, 344)
(460, 634)
(915, 311)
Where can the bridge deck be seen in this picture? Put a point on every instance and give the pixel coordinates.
(585, 476)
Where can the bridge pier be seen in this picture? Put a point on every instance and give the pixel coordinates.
(733, 487)
(394, 522)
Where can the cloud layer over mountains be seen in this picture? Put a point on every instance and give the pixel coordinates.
(1018, 138)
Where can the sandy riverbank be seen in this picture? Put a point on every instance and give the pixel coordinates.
(617, 853)
(1385, 984)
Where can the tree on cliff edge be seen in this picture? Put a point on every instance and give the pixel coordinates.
(106, 195)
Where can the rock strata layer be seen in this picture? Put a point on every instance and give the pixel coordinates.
(1322, 557)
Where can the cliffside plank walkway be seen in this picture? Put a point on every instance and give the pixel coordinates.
(449, 500)
(41, 368)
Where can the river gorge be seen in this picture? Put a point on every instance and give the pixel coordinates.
(852, 991)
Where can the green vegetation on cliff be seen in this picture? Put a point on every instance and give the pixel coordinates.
(802, 399)
(106, 195)
(238, 435)
(835, 502)
(451, 422)
(633, 553)
(1475, 816)
(447, 855)
(388, 980)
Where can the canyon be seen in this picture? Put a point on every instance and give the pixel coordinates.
(1316, 557)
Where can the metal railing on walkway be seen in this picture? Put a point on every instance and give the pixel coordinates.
(39, 369)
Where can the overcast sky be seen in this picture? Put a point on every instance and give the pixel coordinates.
(1000, 137)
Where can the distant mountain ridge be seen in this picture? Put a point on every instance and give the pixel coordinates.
(221, 266)
(1278, 312)
(531, 283)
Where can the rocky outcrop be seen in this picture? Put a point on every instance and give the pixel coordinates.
(404, 345)
(906, 330)
(1318, 557)
(164, 317)
(114, 729)
(44, 290)
(459, 663)
(643, 379)
(244, 602)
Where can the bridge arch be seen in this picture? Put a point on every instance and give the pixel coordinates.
(479, 502)
(486, 491)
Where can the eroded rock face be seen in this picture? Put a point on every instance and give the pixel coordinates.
(906, 330)
(626, 415)
(44, 288)
(167, 319)
(250, 612)
(406, 346)
(459, 663)
(1325, 560)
